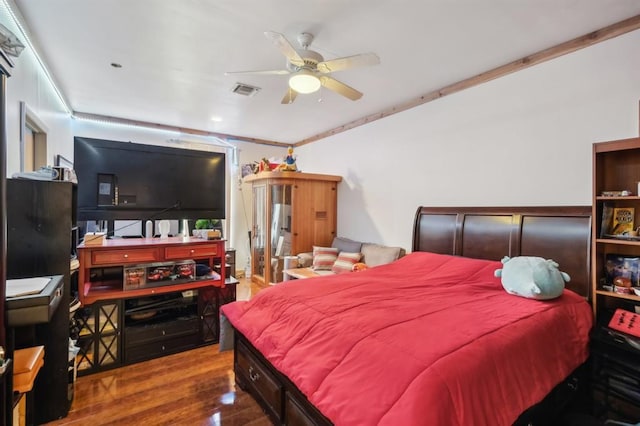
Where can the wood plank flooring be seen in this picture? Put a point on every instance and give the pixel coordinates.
(195, 387)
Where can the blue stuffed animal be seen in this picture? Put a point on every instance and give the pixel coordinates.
(532, 277)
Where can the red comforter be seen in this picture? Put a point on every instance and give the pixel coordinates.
(427, 340)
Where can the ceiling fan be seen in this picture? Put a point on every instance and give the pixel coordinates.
(309, 71)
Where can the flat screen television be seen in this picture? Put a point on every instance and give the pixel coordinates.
(126, 181)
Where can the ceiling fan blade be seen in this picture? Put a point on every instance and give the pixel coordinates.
(285, 47)
(361, 60)
(263, 72)
(289, 97)
(340, 88)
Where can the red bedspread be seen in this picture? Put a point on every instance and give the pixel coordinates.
(427, 340)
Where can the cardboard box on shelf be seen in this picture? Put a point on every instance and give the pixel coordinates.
(618, 265)
(134, 276)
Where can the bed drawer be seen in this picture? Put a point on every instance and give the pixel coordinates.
(119, 257)
(295, 414)
(259, 379)
(200, 250)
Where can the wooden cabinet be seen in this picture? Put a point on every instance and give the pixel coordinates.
(6, 371)
(616, 167)
(39, 218)
(292, 212)
(99, 337)
(615, 374)
(615, 370)
(160, 325)
(208, 309)
(101, 266)
(121, 324)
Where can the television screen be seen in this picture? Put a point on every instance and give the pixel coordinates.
(125, 180)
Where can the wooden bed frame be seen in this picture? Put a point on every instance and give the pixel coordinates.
(559, 233)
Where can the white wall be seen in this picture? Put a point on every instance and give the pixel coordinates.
(524, 139)
(28, 84)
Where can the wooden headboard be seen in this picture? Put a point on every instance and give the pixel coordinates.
(559, 233)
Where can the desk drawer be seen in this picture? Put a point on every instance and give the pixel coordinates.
(160, 348)
(137, 335)
(119, 257)
(182, 252)
(259, 379)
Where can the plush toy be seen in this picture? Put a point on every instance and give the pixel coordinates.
(359, 267)
(532, 277)
(289, 164)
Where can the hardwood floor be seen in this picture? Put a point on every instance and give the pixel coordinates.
(195, 387)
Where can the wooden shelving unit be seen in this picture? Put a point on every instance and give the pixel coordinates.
(615, 370)
(616, 167)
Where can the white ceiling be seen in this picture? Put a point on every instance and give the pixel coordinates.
(174, 54)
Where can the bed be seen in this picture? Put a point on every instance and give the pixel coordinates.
(430, 339)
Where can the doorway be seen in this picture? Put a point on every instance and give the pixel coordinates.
(33, 140)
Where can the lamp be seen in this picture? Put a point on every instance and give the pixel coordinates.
(304, 81)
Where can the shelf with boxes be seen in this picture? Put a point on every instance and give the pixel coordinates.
(114, 269)
(616, 245)
(166, 273)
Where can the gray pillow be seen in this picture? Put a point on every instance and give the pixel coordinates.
(375, 254)
(345, 244)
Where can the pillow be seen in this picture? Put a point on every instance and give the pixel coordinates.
(345, 262)
(374, 254)
(532, 277)
(305, 260)
(324, 258)
(345, 244)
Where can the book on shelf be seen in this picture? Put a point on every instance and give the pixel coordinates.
(607, 220)
(622, 220)
(623, 193)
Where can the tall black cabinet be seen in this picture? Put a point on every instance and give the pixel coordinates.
(6, 371)
(39, 220)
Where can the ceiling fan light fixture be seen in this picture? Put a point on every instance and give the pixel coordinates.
(304, 81)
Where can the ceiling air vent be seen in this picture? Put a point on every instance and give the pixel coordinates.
(245, 89)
